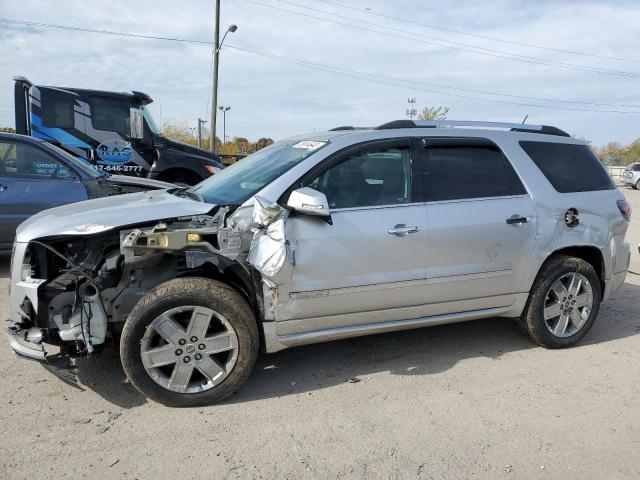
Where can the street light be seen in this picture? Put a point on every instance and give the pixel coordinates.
(217, 45)
(224, 111)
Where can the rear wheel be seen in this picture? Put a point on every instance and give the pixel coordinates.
(189, 342)
(563, 303)
(637, 186)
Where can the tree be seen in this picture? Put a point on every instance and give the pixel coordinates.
(434, 113)
(631, 153)
(263, 142)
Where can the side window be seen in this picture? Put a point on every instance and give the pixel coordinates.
(456, 173)
(21, 160)
(568, 167)
(380, 176)
(57, 109)
(110, 115)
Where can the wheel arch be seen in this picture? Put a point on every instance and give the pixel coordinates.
(589, 253)
(216, 267)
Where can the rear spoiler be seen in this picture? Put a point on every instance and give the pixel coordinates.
(21, 96)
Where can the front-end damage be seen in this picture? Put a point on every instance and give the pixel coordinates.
(75, 292)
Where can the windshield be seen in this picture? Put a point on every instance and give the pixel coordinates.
(238, 182)
(150, 121)
(79, 163)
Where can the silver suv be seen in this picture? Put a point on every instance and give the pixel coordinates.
(322, 237)
(631, 175)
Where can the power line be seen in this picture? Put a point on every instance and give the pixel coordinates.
(353, 73)
(448, 44)
(394, 81)
(439, 85)
(477, 35)
(103, 32)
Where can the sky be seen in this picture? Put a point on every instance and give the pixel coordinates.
(382, 60)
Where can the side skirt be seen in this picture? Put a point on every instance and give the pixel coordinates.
(274, 343)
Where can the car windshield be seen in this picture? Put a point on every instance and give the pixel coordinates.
(150, 121)
(240, 181)
(79, 163)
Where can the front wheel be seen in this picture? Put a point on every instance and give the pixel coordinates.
(563, 302)
(189, 342)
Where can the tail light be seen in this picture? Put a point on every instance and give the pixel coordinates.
(625, 209)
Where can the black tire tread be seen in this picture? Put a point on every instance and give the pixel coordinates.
(531, 322)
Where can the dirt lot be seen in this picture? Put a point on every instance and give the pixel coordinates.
(473, 400)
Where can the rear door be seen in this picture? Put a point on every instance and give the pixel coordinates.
(108, 132)
(32, 180)
(482, 225)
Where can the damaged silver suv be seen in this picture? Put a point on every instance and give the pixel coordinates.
(321, 237)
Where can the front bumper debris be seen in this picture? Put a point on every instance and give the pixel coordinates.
(23, 347)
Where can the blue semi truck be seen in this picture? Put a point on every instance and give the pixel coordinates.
(114, 131)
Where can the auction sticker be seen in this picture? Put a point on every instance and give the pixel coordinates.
(309, 145)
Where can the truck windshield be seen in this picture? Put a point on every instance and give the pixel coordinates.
(150, 121)
(238, 182)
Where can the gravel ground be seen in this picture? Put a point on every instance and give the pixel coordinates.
(474, 400)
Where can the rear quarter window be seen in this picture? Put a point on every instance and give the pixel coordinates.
(569, 168)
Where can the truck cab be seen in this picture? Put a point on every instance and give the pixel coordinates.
(114, 131)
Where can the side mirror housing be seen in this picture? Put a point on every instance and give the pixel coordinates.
(136, 123)
(310, 202)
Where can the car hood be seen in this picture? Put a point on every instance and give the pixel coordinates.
(102, 214)
(161, 141)
(138, 182)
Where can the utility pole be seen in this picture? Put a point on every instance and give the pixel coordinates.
(214, 95)
(200, 122)
(224, 111)
(411, 111)
(217, 45)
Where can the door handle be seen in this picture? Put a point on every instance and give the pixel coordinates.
(516, 220)
(402, 230)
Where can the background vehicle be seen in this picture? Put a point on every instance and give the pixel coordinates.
(35, 175)
(321, 237)
(631, 175)
(112, 130)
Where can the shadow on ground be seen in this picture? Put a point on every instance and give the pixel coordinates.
(424, 351)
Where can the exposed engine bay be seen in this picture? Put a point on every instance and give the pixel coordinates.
(78, 290)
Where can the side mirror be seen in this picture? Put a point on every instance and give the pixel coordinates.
(136, 123)
(310, 202)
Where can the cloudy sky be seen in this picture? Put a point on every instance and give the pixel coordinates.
(368, 57)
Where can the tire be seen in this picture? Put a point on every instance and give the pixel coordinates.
(542, 298)
(178, 308)
(637, 185)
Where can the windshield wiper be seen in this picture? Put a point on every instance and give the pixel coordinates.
(186, 192)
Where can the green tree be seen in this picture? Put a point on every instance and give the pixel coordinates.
(434, 113)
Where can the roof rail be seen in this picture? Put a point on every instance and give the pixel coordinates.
(515, 127)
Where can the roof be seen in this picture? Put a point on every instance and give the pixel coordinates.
(514, 127)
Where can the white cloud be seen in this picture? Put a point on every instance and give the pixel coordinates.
(273, 98)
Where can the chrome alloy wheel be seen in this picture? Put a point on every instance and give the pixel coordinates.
(189, 349)
(568, 304)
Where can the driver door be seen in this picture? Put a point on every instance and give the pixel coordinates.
(368, 266)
